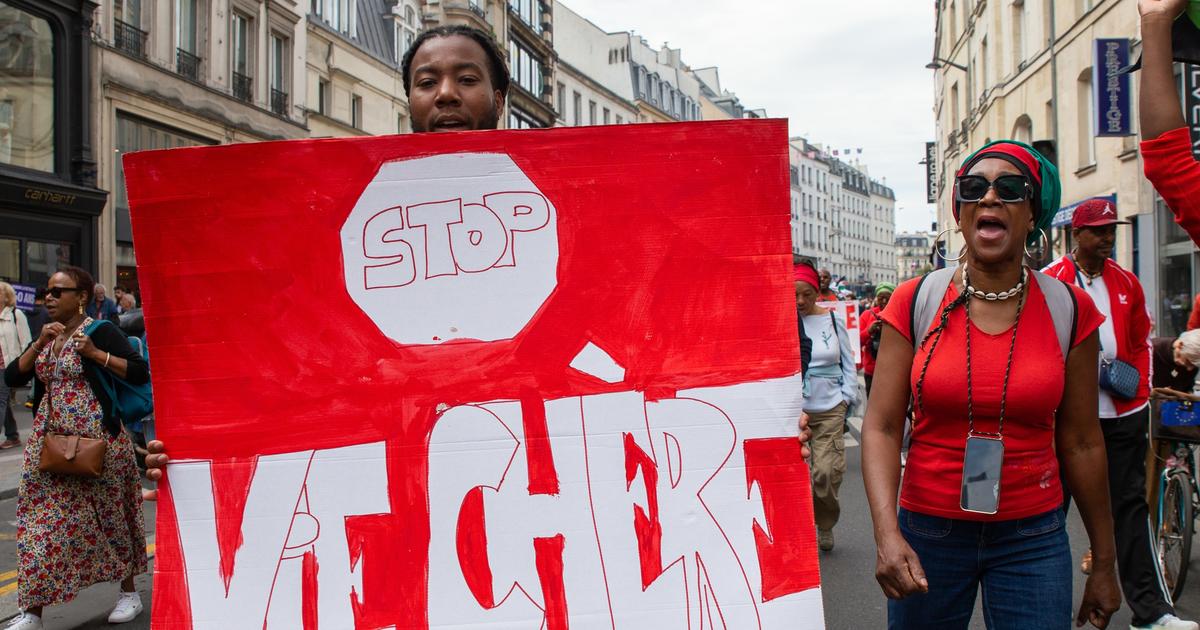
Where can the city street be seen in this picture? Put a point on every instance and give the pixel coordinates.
(852, 598)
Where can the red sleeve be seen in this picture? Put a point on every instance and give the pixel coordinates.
(898, 313)
(1194, 318)
(1175, 174)
(1087, 317)
(864, 327)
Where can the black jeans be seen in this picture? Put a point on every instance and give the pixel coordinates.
(10, 421)
(1126, 440)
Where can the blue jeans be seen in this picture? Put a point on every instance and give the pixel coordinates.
(1023, 566)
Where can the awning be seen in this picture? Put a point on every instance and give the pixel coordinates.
(1063, 216)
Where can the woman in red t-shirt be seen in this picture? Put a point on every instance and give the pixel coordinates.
(870, 327)
(989, 373)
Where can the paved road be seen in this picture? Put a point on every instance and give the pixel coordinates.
(852, 598)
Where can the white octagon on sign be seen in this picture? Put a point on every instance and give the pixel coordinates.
(459, 246)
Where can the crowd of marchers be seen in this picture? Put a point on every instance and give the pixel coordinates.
(997, 379)
(999, 395)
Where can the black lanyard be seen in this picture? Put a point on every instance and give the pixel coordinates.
(1007, 371)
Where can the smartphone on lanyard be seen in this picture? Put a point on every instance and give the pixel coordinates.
(981, 474)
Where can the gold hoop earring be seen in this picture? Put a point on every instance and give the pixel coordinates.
(1043, 238)
(962, 254)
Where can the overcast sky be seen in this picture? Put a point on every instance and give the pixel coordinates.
(845, 73)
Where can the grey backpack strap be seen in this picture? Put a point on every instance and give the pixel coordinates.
(931, 289)
(1061, 302)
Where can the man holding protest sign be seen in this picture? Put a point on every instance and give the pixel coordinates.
(404, 416)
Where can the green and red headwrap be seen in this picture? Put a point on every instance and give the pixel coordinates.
(1047, 189)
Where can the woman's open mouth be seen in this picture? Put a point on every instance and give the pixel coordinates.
(991, 228)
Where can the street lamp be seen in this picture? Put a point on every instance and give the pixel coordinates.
(937, 63)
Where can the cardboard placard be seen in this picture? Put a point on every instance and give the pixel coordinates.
(510, 379)
(847, 311)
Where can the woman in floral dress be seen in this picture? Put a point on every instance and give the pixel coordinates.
(73, 532)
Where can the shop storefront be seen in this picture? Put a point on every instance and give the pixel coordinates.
(49, 203)
(1177, 266)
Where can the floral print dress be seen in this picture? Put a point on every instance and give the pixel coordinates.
(73, 532)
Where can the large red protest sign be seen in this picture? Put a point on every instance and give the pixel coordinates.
(518, 379)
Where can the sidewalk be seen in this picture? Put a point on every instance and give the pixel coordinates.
(10, 460)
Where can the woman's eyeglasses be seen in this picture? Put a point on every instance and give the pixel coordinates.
(56, 292)
(1009, 188)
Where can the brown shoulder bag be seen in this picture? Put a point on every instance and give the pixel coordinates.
(71, 454)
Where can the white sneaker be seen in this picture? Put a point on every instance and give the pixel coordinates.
(128, 607)
(25, 621)
(1169, 622)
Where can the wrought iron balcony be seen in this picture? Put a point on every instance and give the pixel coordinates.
(476, 9)
(129, 39)
(241, 87)
(279, 102)
(187, 64)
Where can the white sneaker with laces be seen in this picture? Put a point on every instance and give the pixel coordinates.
(129, 606)
(1169, 622)
(25, 621)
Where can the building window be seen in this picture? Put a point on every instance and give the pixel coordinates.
(518, 119)
(128, 36)
(606, 116)
(983, 68)
(529, 11)
(1084, 120)
(952, 13)
(406, 32)
(185, 25)
(578, 108)
(1018, 34)
(954, 112)
(562, 101)
(591, 112)
(136, 134)
(1023, 130)
(26, 90)
(187, 58)
(240, 33)
(356, 111)
(342, 15)
(323, 94)
(278, 74)
(526, 69)
(620, 121)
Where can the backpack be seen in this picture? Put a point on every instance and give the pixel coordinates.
(131, 403)
(931, 288)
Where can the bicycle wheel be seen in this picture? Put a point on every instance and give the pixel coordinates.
(1175, 532)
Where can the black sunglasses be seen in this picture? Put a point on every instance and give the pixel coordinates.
(1009, 188)
(56, 292)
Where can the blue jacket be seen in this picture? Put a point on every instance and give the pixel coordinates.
(108, 310)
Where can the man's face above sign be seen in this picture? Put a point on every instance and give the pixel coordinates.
(452, 89)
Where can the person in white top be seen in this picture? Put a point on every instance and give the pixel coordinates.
(830, 389)
(1125, 368)
(14, 338)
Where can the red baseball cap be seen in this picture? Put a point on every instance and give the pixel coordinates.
(1095, 213)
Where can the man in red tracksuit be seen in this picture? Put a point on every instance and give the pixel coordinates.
(1124, 336)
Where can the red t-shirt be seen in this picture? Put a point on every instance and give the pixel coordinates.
(1029, 482)
(864, 337)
